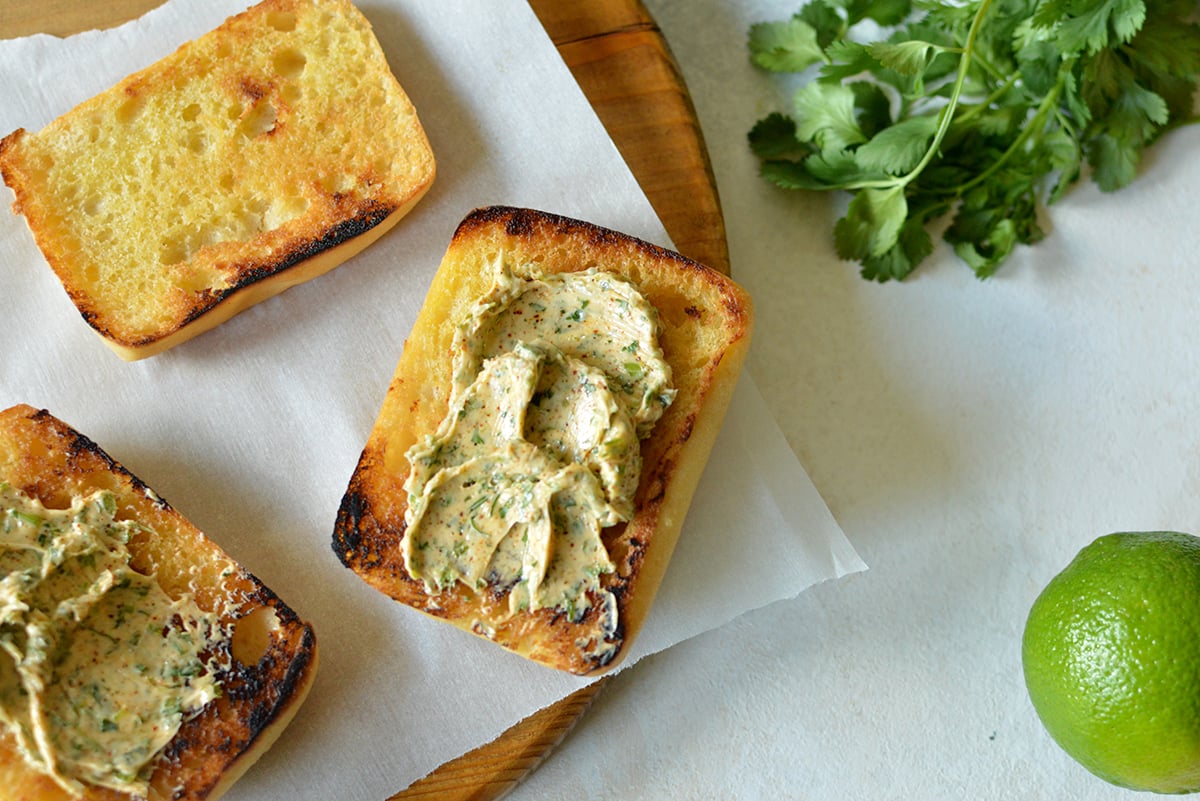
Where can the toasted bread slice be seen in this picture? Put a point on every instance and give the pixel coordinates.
(705, 326)
(256, 157)
(274, 652)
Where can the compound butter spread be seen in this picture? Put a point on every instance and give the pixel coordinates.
(556, 378)
(98, 665)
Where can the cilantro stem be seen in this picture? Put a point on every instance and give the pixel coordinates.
(1035, 125)
(947, 116)
(944, 120)
(986, 103)
(988, 67)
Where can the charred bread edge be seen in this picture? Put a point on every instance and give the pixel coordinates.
(265, 721)
(314, 258)
(356, 515)
(301, 674)
(309, 259)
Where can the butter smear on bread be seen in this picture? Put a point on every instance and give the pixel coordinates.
(98, 665)
(555, 378)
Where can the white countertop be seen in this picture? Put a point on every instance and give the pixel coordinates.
(970, 437)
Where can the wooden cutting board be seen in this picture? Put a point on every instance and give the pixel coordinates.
(624, 67)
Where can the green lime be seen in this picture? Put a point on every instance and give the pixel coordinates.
(1112, 660)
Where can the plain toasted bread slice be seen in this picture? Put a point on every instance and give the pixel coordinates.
(274, 652)
(257, 156)
(705, 333)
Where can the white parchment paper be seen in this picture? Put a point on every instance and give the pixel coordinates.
(252, 430)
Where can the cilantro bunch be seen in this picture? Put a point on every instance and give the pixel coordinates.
(984, 110)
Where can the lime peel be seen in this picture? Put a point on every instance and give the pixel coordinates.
(1111, 657)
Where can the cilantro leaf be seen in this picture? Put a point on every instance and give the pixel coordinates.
(774, 136)
(872, 107)
(872, 224)
(1091, 25)
(906, 58)
(985, 254)
(1114, 162)
(1166, 48)
(1064, 157)
(790, 175)
(789, 46)
(1038, 63)
(911, 248)
(825, 116)
(846, 60)
(992, 219)
(885, 12)
(825, 20)
(838, 168)
(1136, 112)
(898, 148)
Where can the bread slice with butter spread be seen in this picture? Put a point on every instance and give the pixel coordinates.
(255, 157)
(137, 659)
(529, 473)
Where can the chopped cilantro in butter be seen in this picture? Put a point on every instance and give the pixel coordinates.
(98, 665)
(556, 378)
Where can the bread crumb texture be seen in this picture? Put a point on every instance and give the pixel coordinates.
(275, 137)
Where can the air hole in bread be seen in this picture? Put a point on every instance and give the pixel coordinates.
(35, 449)
(284, 211)
(197, 280)
(191, 112)
(677, 313)
(252, 635)
(289, 62)
(174, 249)
(226, 181)
(197, 142)
(259, 121)
(282, 20)
(157, 167)
(128, 111)
(211, 236)
(634, 274)
(91, 205)
(242, 222)
(291, 93)
(338, 184)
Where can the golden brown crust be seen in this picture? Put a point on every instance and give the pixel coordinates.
(275, 652)
(255, 157)
(707, 321)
